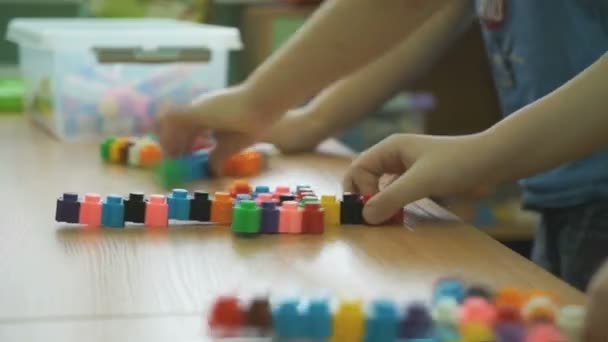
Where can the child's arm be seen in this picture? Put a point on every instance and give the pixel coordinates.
(348, 100)
(342, 36)
(569, 123)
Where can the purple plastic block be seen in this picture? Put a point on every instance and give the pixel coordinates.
(416, 323)
(68, 208)
(510, 332)
(270, 218)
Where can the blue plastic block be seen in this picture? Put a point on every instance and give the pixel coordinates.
(113, 212)
(449, 288)
(68, 208)
(199, 167)
(287, 320)
(179, 205)
(260, 189)
(242, 197)
(270, 218)
(383, 323)
(318, 319)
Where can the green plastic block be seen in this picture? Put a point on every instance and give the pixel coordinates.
(306, 199)
(104, 148)
(171, 173)
(11, 96)
(246, 218)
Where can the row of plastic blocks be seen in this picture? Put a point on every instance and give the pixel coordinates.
(472, 314)
(247, 211)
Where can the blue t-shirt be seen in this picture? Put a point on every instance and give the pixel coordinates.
(534, 47)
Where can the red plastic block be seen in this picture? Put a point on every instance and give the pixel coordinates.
(313, 218)
(226, 317)
(90, 210)
(157, 212)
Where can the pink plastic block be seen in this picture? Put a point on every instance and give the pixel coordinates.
(157, 212)
(290, 218)
(90, 210)
(263, 197)
(280, 190)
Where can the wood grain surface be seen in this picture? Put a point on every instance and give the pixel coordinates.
(60, 282)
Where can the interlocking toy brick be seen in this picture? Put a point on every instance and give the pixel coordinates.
(263, 197)
(134, 152)
(289, 323)
(452, 288)
(319, 319)
(571, 321)
(261, 189)
(244, 164)
(259, 317)
(331, 206)
(221, 208)
(150, 154)
(157, 212)
(270, 218)
(286, 197)
(68, 208)
(382, 323)
(90, 210)
(313, 218)
(200, 207)
(349, 322)
(246, 218)
(123, 152)
(226, 317)
(307, 199)
(242, 197)
(290, 218)
(416, 323)
(170, 173)
(135, 208)
(115, 148)
(351, 209)
(113, 212)
(179, 205)
(280, 190)
(104, 148)
(239, 186)
(477, 290)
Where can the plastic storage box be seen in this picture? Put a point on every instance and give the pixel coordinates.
(89, 78)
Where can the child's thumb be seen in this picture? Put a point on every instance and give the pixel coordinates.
(408, 188)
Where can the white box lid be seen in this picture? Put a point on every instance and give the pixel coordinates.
(144, 33)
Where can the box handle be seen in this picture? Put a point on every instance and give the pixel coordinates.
(162, 55)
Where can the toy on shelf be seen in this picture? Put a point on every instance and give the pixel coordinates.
(246, 210)
(456, 314)
(146, 152)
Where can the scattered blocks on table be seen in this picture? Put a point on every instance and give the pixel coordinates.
(244, 164)
(90, 210)
(351, 209)
(263, 197)
(313, 218)
(261, 189)
(68, 208)
(150, 155)
(246, 218)
(290, 218)
(384, 320)
(157, 212)
(281, 190)
(135, 208)
(200, 207)
(104, 148)
(221, 208)
(113, 212)
(179, 205)
(240, 186)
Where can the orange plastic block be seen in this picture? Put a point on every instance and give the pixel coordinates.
(244, 164)
(157, 212)
(90, 210)
(150, 154)
(221, 208)
(510, 296)
(116, 147)
(240, 186)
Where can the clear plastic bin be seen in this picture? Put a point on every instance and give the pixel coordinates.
(89, 78)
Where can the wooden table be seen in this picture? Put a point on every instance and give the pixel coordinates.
(68, 284)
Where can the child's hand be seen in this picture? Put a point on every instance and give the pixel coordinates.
(299, 131)
(235, 121)
(596, 329)
(427, 165)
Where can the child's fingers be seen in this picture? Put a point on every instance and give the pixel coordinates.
(228, 144)
(360, 181)
(410, 187)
